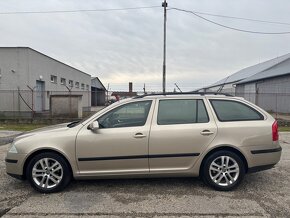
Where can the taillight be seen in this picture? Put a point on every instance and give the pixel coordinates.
(275, 135)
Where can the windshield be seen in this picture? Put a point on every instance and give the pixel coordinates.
(77, 122)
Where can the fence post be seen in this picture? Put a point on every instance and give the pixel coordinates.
(276, 105)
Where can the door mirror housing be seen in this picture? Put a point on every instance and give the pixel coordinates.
(94, 126)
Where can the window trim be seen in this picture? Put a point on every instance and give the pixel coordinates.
(196, 116)
(262, 117)
(61, 82)
(72, 83)
(54, 79)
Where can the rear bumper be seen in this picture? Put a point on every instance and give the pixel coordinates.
(260, 168)
(263, 159)
(265, 151)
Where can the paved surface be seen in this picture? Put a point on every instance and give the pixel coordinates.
(264, 194)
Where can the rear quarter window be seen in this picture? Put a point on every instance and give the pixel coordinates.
(229, 110)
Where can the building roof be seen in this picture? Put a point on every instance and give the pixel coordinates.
(278, 70)
(99, 82)
(251, 71)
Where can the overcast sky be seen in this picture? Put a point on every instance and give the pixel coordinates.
(123, 46)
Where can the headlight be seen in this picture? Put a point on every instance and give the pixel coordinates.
(12, 148)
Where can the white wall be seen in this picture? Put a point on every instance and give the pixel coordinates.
(22, 67)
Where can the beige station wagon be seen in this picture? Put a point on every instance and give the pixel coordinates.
(217, 137)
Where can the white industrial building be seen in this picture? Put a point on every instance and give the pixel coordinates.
(266, 84)
(29, 78)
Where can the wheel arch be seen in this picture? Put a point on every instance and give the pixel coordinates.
(224, 148)
(36, 152)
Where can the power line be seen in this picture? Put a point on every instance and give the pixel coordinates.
(239, 18)
(228, 27)
(76, 11)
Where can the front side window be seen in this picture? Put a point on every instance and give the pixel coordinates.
(181, 111)
(227, 110)
(128, 115)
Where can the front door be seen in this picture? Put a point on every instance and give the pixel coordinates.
(181, 130)
(120, 145)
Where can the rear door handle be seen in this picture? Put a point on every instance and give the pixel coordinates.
(139, 135)
(206, 132)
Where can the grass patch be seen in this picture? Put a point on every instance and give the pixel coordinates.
(284, 128)
(21, 127)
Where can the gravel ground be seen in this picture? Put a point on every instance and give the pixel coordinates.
(263, 194)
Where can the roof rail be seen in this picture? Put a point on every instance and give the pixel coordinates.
(184, 93)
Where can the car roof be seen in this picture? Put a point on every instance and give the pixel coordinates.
(183, 94)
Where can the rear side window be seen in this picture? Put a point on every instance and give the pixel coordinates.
(227, 110)
(181, 111)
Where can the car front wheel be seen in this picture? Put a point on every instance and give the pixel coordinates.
(48, 172)
(223, 170)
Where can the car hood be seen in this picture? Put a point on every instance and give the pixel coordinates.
(47, 129)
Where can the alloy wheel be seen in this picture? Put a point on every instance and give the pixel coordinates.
(224, 170)
(47, 173)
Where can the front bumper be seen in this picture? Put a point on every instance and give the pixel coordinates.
(14, 164)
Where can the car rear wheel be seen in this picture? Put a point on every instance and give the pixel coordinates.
(223, 170)
(48, 172)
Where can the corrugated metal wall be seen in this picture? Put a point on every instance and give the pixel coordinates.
(271, 94)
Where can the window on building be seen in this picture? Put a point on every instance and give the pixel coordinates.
(77, 85)
(62, 81)
(227, 110)
(181, 111)
(128, 115)
(88, 87)
(70, 83)
(83, 86)
(53, 79)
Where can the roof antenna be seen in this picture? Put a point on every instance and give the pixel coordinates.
(222, 86)
(177, 87)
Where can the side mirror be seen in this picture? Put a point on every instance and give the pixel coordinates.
(94, 126)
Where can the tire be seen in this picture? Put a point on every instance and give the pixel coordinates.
(48, 172)
(226, 176)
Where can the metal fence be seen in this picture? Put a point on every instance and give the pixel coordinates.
(46, 105)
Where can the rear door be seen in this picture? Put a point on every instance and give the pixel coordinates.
(181, 129)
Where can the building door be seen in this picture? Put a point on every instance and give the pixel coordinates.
(39, 96)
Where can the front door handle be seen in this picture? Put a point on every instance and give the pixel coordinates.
(206, 132)
(139, 135)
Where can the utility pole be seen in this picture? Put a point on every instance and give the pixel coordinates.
(108, 92)
(164, 5)
(144, 89)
